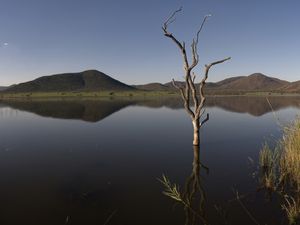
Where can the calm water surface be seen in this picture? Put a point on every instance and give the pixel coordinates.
(98, 162)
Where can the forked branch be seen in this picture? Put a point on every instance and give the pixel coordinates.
(207, 67)
(202, 84)
(190, 89)
(205, 120)
(194, 45)
(171, 18)
(180, 45)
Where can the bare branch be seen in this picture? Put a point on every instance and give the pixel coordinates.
(194, 45)
(202, 83)
(187, 94)
(180, 89)
(193, 90)
(175, 85)
(205, 120)
(189, 91)
(180, 45)
(201, 27)
(193, 77)
(207, 67)
(184, 98)
(171, 18)
(215, 63)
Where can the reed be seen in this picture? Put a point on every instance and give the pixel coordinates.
(281, 168)
(268, 161)
(290, 156)
(292, 209)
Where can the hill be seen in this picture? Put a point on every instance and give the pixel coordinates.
(293, 87)
(2, 88)
(256, 82)
(152, 87)
(93, 80)
(90, 80)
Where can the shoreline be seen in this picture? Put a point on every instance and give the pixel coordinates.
(129, 94)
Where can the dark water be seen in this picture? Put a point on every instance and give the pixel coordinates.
(97, 162)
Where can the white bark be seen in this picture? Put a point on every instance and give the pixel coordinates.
(196, 127)
(190, 91)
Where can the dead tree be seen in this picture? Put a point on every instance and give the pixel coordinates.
(190, 91)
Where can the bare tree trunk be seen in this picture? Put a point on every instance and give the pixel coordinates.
(190, 90)
(196, 127)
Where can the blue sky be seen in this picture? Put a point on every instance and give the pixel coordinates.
(124, 38)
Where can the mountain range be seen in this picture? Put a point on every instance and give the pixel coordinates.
(93, 80)
(253, 83)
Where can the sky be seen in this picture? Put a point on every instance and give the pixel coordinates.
(124, 39)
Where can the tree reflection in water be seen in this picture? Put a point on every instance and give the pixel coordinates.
(192, 197)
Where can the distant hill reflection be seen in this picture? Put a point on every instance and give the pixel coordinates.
(255, 106)
(94, 110)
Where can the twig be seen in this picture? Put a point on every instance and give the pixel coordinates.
(110, 216)
(245, 209)
(274, 113)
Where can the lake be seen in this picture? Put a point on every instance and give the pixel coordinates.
(65, 161)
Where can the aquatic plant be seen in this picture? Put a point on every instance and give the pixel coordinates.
(171, 190)
(268, 161)
(290, 158)
(292, 209)
(280, 167)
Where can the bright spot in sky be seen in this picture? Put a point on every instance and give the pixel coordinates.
(5, 44)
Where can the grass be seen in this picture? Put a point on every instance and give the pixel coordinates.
(78, 94)
(290, 158)
(267, 157)
(292, 209)
(95, 94)
(268, 162)
(281, 168)
(171, 190)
